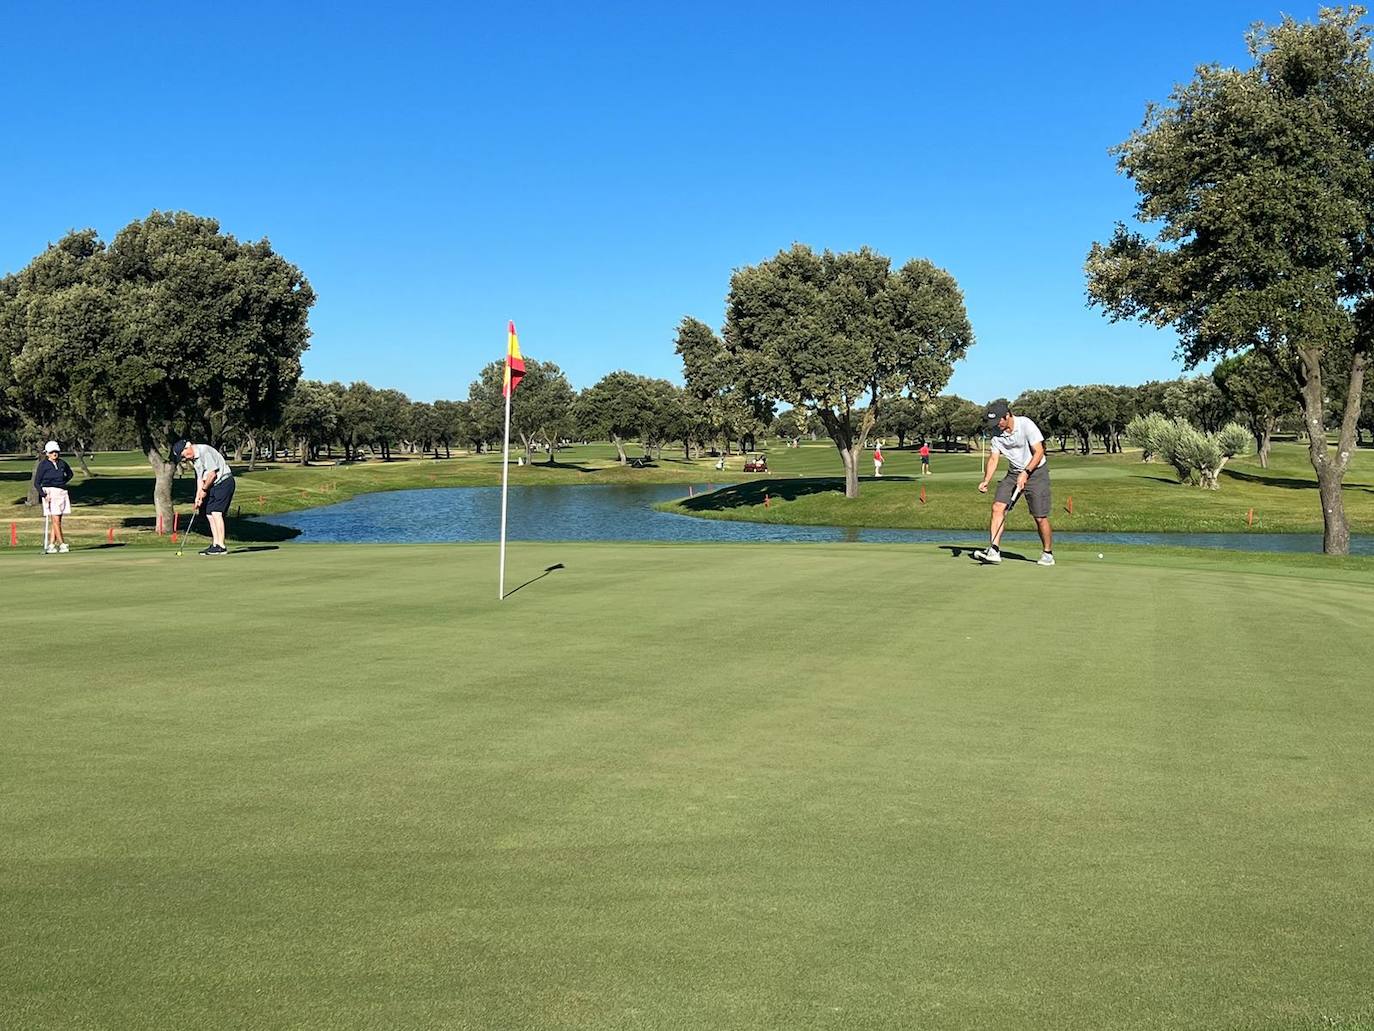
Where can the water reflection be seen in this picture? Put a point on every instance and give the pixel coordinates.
(624, 512)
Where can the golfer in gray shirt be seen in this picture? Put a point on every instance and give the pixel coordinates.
(1020, 440)
(214, 488)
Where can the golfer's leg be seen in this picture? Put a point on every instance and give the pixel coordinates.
(999, 520)
(1042, 523)
(216, 528)
(57, 530)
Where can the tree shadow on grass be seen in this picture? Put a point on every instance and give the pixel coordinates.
(1269, 480)
(752, 492)
(247, 530)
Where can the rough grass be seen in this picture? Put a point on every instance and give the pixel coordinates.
(686, 787)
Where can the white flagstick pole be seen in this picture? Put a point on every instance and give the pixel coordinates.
(505, 477)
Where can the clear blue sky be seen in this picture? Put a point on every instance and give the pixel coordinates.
(595, 171)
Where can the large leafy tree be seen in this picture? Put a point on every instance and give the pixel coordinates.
(175, 326)
(842, 333)
(714, 378)
(311, 416)
(617, 407)
(1261, 184)
(541, 407)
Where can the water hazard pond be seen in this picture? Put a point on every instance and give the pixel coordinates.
(625, 513)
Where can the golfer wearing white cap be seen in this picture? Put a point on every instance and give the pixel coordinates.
(1021, 441)
(51, 478)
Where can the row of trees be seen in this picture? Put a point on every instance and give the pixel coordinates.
(621, 407)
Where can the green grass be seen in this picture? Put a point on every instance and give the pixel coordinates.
(694, 787)
(1110, 493)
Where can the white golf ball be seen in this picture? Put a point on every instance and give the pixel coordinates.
(1099, 554)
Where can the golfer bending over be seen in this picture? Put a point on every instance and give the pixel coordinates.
(214, 488)
(1021, 441)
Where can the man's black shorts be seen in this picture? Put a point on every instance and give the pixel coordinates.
(219, 495)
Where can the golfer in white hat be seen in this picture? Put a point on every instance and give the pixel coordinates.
(51, 478)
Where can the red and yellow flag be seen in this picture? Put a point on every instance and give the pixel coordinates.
(515, 364)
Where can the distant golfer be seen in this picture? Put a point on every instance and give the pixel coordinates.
(925, 458)
(51, 478)
(1021, 441)
(214, 488)
(878, 459)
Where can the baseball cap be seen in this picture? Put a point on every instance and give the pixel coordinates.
(996, 412)
(177, 449)
(50, 446)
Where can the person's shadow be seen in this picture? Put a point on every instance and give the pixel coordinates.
(959, 550)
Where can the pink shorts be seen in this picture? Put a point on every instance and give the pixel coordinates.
(56, 502)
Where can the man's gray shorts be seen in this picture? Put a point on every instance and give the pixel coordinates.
(1037, 492)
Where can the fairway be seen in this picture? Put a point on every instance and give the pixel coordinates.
(749, 786)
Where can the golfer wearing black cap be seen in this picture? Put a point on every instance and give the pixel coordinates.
(214, 488)
(1021, 441)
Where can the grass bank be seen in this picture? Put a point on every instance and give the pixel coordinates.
(686, 786)
(1091, 493)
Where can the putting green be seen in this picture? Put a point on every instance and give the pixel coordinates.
(685, 787)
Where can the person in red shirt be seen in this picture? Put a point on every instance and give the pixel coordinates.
(878, 458)
(925, 458)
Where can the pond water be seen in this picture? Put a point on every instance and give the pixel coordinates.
(625, 513)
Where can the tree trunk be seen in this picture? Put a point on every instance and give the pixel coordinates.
(305, 451)
(81, 458)
(1263, 442)
(1330, 469)
(619, 448)
(162, 480)
(32, 498)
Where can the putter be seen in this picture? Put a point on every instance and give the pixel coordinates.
(996, 534)
(45, 523)
(188, 531)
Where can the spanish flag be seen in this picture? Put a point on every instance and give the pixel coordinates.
(515, 365)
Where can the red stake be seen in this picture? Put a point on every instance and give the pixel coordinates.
(1070, 505)
(923, 493)
(14, 535)
(1250, 518)
(109, 535)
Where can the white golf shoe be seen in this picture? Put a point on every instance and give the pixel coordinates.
(51, 549)
(1046, 559)
(989, 555)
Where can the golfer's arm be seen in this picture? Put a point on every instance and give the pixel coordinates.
(991, 469)
(1037, 458)
(209, 479)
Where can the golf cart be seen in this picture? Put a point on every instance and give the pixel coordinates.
(755, 463)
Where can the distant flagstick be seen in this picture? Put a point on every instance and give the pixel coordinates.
(515, 371)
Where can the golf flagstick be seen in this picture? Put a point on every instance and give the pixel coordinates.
(515, 372)
(505, 480)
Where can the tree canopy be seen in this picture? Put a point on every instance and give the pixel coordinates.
(840, 333)
(1261, 187)
(174, 326)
